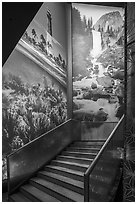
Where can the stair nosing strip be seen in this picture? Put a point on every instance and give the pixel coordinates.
(86, 153)
(55, 190)
(71, 163)
(62, 180)
(71, 157)
(71, 171)
(28, 191)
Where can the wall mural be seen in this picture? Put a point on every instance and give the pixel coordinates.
(98, 62)
(34, 87)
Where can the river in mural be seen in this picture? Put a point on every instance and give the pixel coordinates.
(98, 63)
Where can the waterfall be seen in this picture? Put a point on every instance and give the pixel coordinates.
(96, 43)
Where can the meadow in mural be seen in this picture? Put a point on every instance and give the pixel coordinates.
(98, 62)
(34, 89)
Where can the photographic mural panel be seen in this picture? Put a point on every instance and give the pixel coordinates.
(98, 62)
(34, 86)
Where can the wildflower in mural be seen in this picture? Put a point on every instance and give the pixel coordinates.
(28, 112)
(34, 86)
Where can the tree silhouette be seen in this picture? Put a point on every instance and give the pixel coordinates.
(89, 25)
(26, 35)
(107, 41)
(77, 23)
(34, 33)
(60, 58)
(84, 22)
(43, 39)
(33, 41)
(91, 22)
(108, 30)
(99, 28)
(63, 64)
(41, 46)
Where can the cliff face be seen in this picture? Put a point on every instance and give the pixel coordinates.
(110, 21)
(112, 39)
(111, 27)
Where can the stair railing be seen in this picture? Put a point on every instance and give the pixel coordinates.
(110, 153)
(27, 160)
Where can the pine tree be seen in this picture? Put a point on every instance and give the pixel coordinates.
(34, 33)
(99, 29)
(43, 39)
(60, 58)
(108, 31)
(76, 22)
(91, 22)
(84, 22)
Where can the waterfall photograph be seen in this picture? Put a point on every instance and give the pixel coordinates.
(98, 62)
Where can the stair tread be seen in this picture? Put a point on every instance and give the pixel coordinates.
(82, 153)
(71, 163)
(66, 170)
(87, 145)
(19, 197)
(59, 189)
(92, 140)
(37, 193)
(73, 157)
(63, 179)
(82, 148)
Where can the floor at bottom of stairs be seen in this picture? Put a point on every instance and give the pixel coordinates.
(4, 197)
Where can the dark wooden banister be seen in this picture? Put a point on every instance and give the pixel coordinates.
(92, 165)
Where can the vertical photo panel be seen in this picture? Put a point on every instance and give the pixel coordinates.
(34, 85)
(98, 62)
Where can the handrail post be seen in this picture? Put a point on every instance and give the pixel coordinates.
(86, 188)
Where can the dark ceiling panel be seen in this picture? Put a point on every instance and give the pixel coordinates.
(16, 17)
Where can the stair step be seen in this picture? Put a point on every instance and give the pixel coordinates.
(87, 144)
(83, 149)
(80, 154)
(90, 142)
(78, 175)
(19, 197)
(36, 194)
(56, 190)
(70, 165)
(66, 182)
(75, 159)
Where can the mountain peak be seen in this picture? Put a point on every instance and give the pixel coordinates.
(111, 20)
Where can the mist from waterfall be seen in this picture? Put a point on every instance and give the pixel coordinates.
(96, 44)
(95, 52)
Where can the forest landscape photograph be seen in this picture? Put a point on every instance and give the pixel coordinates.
(98, 62)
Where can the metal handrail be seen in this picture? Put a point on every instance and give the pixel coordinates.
(35, 140)
(59, 138)
(92, 165)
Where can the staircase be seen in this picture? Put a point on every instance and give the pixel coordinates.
(63, 179)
